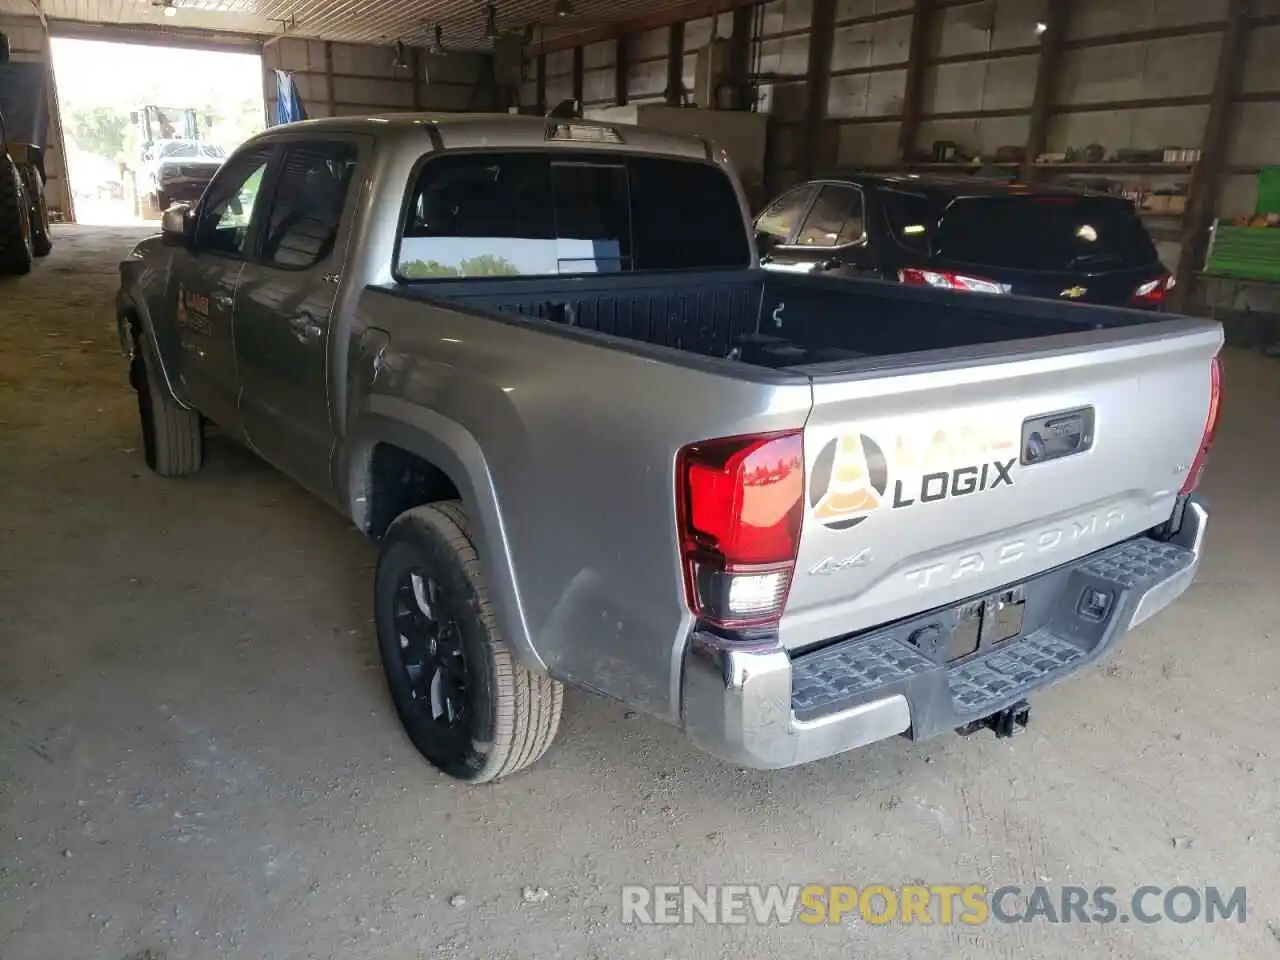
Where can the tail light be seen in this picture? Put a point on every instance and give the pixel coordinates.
(1153, 291)
(740, 503)
(916, 277)
(1210, 427)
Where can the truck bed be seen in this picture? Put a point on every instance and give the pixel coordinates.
(774, 321)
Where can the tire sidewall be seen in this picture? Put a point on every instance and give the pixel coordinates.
(412, 543)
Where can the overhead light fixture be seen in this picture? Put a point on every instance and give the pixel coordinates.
(564, 8)
(400, 61)
(436, 45)
(1041, 27)
(491, 31)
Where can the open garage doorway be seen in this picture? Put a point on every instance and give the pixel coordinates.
(148, 125)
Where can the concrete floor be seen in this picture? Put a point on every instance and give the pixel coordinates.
(198, 758)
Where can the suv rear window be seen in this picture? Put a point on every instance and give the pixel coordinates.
(540, 214)
(1044, 233)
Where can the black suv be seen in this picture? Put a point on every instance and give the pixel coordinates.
(966, 233)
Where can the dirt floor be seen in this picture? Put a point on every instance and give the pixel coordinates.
(198, 758)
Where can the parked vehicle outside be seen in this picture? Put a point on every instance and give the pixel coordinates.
(967, 233)
(597, 445)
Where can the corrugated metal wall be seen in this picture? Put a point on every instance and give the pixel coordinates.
(346, 79)
(28, 42)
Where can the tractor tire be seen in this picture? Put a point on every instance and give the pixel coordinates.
(16, 251)
(41, 237)
(467, 705)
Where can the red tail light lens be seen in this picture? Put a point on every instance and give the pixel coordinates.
(1210, 427)
(740, 503)
(1153, 291)
(915, 277)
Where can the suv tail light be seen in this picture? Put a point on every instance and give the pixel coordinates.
(1210, 427)
(1154, 291)
(739, 506)
(916, 277)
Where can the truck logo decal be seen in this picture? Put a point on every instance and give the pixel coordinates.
(850, 477)
(1074, 293)
(848, 481)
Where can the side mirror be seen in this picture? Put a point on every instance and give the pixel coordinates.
(175, 225)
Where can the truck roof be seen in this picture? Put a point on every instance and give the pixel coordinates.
(507, 130)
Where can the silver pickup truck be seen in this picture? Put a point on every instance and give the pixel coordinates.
(537, 362)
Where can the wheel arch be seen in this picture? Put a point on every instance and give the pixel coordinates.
(456, 469)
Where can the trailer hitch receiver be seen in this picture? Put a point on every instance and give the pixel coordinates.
(1003, 723)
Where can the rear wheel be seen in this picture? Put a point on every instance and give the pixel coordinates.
(16, 251)
(466, 704)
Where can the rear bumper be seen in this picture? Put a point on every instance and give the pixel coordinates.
(764, 708)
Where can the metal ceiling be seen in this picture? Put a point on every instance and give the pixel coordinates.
(463, 22)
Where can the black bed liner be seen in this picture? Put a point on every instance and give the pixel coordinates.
(772, 320)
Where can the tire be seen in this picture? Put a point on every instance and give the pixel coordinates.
(172, 436)
(16, 253)
(470, 709)
(41, 237)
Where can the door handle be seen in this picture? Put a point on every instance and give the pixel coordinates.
(305, 327)
(222, 301)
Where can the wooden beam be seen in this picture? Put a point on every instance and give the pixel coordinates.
(917, 64)
(577, 75)
(540, 85)
(675, 65)
(1048, 79)
(822, 35)
(621, 68)
(1202, 195)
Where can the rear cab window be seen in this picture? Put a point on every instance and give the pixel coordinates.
(541, 213)
(1044, 233)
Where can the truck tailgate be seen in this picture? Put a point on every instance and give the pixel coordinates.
(941, 481)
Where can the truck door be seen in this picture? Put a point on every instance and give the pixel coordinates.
(202, 286)
(285, 307)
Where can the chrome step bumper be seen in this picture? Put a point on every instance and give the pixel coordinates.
(764, 708)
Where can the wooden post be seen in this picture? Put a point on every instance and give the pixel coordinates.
(822, 32)
(675, 66)
(330, 98)
(540, 85)
(577, 75)
(740, 57)
(1048, 78)
(1202, 195)
(621, 67)
(917, 64)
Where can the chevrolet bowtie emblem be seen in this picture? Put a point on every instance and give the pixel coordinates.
(1073, 293)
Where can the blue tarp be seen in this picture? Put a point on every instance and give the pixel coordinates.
(288, 104)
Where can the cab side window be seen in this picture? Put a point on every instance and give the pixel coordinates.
(306, 211)
(835, 220)
(227, 210)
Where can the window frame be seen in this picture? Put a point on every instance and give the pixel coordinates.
(862, 240)
(248, 253)
(604, 157)
(283, 146)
